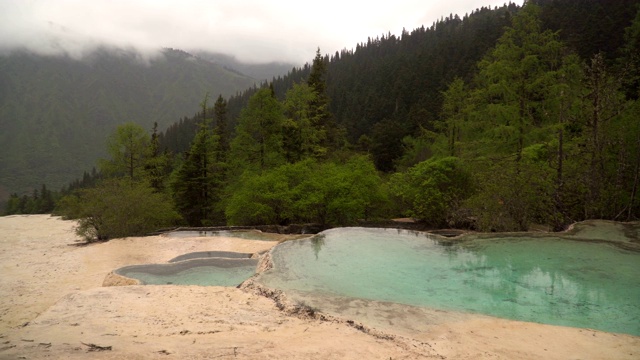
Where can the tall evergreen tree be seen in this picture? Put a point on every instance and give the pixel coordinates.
(127, 146)
(258, 140)
(196, 183)
(453, 110)
(46, 203)
(514, 79)
(301, 139)
(512, 122)
(221, 126)
(603, 132)
(630, 59)
(322, 119)
(564, 101)
(385, 144)
(158, 163)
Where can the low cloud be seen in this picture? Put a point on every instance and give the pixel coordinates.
(251, 30)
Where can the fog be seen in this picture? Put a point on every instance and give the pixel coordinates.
(251, 30)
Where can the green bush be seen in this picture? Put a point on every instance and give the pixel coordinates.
(307, 191)
(119, 208)
(434, 190)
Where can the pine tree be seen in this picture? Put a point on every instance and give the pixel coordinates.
(46, 203)
(127, 146)
(453, 111)
(301, 139)
(513, 120)
(13, 205)
(220, 116)
(605, 133)
(196, 182)
(322, 119)
(157, 165)
(630, 59)
(258, 140)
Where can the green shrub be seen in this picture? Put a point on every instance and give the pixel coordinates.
(434, 190)
(307, 191)
(119, 208)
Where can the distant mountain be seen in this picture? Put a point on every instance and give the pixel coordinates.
(55, 112)
(260, 72)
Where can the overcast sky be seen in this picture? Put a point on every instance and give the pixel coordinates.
(251, 30)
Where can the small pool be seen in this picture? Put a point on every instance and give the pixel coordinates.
(211, 254)
(209, 271)
(522, 277)
(242, 234)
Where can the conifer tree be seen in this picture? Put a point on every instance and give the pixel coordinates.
(127, 146)
(513, 120)
(322, 119)
(453, 110)
(157, 163)
(604, 133)
(220, 116)
(513, 81)
(301, 139)
(630, 60)
(196, 182)
(46, 203)
(258, 141)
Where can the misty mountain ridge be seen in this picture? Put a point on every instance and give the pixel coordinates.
(57, 110)
(258, 71)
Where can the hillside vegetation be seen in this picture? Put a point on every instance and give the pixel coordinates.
(533, 127)
(392, 86)
(55, 112)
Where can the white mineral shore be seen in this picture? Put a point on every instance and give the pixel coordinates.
(53, 305)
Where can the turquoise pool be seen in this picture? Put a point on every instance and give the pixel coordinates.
(210, 271)
(540, 279)
(242, 234)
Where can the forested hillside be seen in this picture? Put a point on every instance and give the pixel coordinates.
(55, 112)
(260, 72)
(391, 86)
(507, 118)
(494, 121)
(393, 78)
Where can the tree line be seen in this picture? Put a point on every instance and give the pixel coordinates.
(391, 86)
(546, 137)
(286, 161)
(534, 134)
(41, 201)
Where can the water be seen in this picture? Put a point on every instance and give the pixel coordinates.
(546, 280)
(211, 254)
(203, 272)
(203, 276)
(242, 234)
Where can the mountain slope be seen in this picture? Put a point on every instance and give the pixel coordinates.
(391, 86)
(260, 72)
(55, 112)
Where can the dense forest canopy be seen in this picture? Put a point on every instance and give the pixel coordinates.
(391, 86)
(496, 121)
